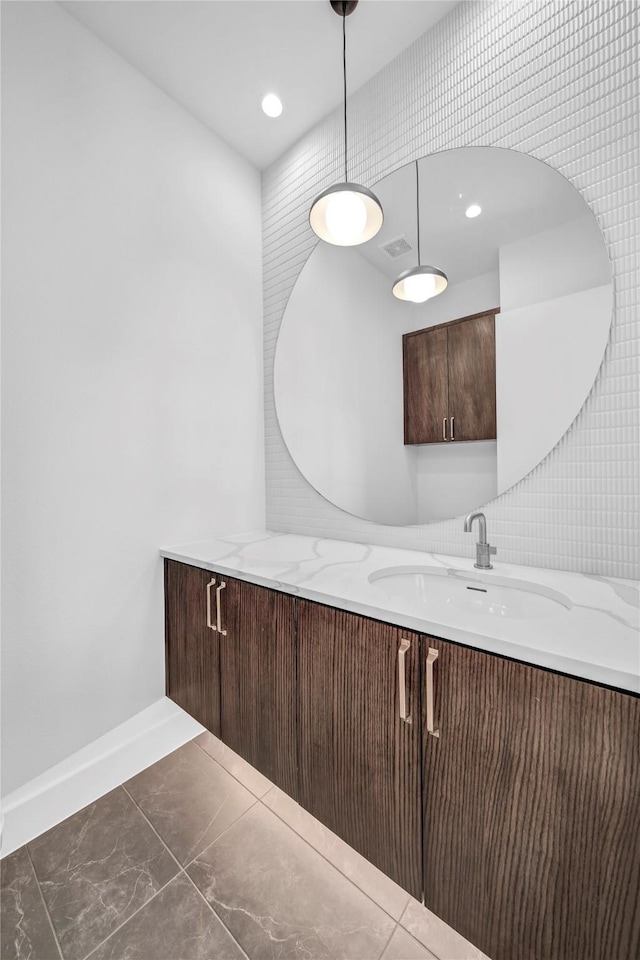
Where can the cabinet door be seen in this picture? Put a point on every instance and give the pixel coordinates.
(472, 378)
(425, 386)
(532, 810)
(359, 762)
(191, 648)
(258, 673)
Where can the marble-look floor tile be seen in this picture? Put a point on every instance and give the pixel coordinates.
(248, 776)
(25, 930)
(402, 946)
(436, 935)
(189, 799)
(372, 881)
(281, 900)
(97, 868)
(177, 923)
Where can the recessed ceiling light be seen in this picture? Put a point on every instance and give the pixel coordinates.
(473, 211)
(272, 105)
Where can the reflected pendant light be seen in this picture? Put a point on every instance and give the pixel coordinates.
(419, 283)
(345, 214)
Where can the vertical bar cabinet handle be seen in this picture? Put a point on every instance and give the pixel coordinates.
(402, 684)
(218, 611)
(211, 583)
(444, 428)
(453, 436)
(432, 656)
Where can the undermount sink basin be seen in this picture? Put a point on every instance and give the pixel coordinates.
(437, 589)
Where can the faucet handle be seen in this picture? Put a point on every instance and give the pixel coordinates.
(492, 549)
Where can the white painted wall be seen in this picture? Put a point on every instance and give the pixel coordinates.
(556, 305)
(132, 377)
(547, 357)
(340, 357)
(454, 478)
(553, 263)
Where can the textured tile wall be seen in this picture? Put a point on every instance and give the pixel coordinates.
(560, 81)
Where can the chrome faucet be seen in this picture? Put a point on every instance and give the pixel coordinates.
(483, 549)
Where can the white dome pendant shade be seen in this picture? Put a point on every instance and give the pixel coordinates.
(419, 284)
(346, 214)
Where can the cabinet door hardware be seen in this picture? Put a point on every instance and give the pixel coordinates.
(444, 428)
(218, 610)
(402, 684)
(432, 656)
(453, 436)
(211, 583)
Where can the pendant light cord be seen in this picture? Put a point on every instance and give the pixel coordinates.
(344, 77)
(418, 209)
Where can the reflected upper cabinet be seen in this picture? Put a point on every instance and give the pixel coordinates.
(450, 381)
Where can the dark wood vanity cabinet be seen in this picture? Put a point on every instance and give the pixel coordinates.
(231, 664)
(192, 651)
(531, 810)
(450, 381)
(511, 799)
(359, 761)
(258, 679)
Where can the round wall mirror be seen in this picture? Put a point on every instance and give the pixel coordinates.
(405, 413)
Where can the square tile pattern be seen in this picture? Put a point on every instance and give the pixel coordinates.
(199, 857)
(544, 78)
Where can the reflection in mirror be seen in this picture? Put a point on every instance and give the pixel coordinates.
(534, 257)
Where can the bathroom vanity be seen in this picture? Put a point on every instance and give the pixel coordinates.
(475, 734)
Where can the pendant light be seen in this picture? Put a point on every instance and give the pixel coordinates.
(419, 283)
(346, 214)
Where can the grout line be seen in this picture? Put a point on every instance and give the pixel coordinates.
(304, 839)
(44, 902)
(331, 864)
(216, 915)
(134, 914)
(222, 767)
(146, 818)
(226, 829)
(199, 854)
(388, 941)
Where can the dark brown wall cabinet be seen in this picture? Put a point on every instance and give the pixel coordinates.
(531, 810)
(450, 381)
(511, 799)
(359, 760)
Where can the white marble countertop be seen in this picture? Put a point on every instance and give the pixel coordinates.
(595, 636)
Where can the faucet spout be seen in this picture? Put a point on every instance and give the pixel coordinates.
(482, 524)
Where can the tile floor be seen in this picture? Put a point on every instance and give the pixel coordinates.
(199, 857)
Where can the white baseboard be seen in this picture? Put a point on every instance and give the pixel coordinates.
(93, 771)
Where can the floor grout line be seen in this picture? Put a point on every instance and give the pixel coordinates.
(199, 854)
(218, 917)
(331, 864)
(222, 767)
(381, 954)
(226, 829)
(44, 902)
(298, 834)
(134, 914)
(146, 818)
(183, 870)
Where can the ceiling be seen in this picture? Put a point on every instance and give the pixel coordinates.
(519, 196)
(217, 58)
